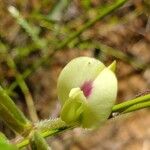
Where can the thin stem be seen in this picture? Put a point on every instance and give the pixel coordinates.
(120, 55)
(137, 106)
(74, 35)
(20, 81)
(110, 51)
(24, 88)
(47, 128)
(53, 127)
(124, 105)
(90, 23)
(32, 31)
(28, 71)
(25, 142)
(28, 98)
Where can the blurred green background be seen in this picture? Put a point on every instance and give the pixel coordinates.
(38, 38)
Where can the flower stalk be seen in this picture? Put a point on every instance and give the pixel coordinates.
(144, 102)
(130, 103)
(88, 99)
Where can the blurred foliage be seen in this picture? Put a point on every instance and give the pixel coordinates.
(46, 34)
(4, 143)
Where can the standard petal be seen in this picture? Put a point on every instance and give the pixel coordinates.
(76, 72)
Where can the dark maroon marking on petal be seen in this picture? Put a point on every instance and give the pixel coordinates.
(87, 88)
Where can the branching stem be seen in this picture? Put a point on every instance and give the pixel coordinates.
(111, 8)
(48, 127)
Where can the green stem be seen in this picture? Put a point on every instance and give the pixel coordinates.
(20, 81)
(65, 42)
(32, 31)
(124, 105)
(137, 106)
(47, 128)
(90, 23)
(53, 127)
(24, 88)
(110, 51)
(122, 56)
(25, 141)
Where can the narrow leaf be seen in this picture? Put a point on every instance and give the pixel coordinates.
(11, 114)
(4, 143)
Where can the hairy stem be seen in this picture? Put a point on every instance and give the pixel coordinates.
(53, 127)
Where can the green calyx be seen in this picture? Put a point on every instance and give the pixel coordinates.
(73, 107)
(37, 142)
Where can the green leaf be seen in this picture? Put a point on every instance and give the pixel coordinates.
(11, 114)
(102, 99)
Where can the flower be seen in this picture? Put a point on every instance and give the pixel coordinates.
(87, 91)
